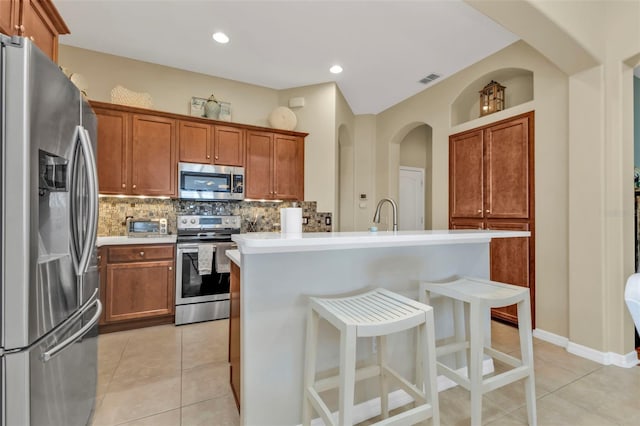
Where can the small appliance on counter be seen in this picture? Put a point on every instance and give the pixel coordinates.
(202, 267)
(146, 227)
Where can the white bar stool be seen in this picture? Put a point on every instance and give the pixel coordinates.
(376, 313)
(482, 295)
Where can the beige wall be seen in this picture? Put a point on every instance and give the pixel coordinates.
(346, 198)
(317, 117)
(170, 88)
(551, 156)
(597, 43)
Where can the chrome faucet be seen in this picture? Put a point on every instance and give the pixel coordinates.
(394, 207)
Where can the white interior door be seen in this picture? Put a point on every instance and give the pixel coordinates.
(411, 199)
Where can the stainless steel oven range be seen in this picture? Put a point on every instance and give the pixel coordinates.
(202, 267)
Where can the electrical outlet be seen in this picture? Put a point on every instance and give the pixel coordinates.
(327, 220)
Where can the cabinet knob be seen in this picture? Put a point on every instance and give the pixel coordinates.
(208, 156)
(19, 27)
(124, 185)
(480, 211)
(487, 211)
(171, 268)
(141, 254)
(216, 157)
(32, 38)
(134, 186)
(99, 258)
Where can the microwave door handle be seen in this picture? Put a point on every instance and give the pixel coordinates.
(92, 180)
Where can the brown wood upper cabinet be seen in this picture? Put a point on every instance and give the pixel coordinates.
(490, 172)
(136, 153)
(210, 144)
(38, 20)
(491, 186)
(275, 166)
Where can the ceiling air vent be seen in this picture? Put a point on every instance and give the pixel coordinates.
(428, 79)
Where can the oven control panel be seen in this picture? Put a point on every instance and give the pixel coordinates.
(193, 222)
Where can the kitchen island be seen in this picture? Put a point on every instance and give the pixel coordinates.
(278, 273)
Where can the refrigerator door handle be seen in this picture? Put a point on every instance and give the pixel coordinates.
(52, 352)
(92, 179)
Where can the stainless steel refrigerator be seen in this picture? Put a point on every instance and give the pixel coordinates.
(49, 301)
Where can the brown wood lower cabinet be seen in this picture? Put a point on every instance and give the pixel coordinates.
(137, 285)
(234, 333)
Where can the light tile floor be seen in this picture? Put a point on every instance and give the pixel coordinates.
(179, 376)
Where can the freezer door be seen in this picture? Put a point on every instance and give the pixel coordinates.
(41, 115)
(54, 382)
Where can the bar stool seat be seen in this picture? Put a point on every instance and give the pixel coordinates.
(376, 313)
(482, 295)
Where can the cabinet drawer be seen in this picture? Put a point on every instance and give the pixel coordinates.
(140, 253)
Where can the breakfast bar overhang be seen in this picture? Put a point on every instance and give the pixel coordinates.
(279, 272)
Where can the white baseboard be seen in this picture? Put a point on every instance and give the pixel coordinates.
(371, 408)
(551, 338)
(605, 358)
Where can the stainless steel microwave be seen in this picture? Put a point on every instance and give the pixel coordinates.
(208, 182)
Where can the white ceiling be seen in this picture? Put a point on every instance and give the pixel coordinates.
(385, 47)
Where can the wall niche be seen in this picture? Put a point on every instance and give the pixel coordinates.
(519, 89)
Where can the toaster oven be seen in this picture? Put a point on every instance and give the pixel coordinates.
(146, 227)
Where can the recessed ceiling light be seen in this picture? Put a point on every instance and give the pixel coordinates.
(221, 37)
(336, 69)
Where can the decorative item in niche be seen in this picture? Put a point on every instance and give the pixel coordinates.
(123, 96)
(492, 98)
(196, 108)
(283, 118)
(77, 79)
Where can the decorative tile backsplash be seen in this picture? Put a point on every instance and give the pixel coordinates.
(256, 216)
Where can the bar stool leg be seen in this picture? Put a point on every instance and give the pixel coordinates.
(428, 361)
(526, 349)
(384, 387)
(347, 374)
(460, 331)
(476, 332)
(310, 364)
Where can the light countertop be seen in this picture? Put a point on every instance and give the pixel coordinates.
(234, 255)
(121, 240)
(273, 242)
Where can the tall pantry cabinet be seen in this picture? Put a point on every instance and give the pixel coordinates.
(491, 186)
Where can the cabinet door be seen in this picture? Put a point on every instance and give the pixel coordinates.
(507, 163)
(288, 167)
(194, 140)
(259, 165)
(466, 175)
(139, 290)
(229, 146)
(510, 263)
(234, 332)
(39, 28)
(113, 151)
(9, 16)
(153, 159)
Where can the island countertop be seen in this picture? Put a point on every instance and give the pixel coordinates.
(273, 242)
